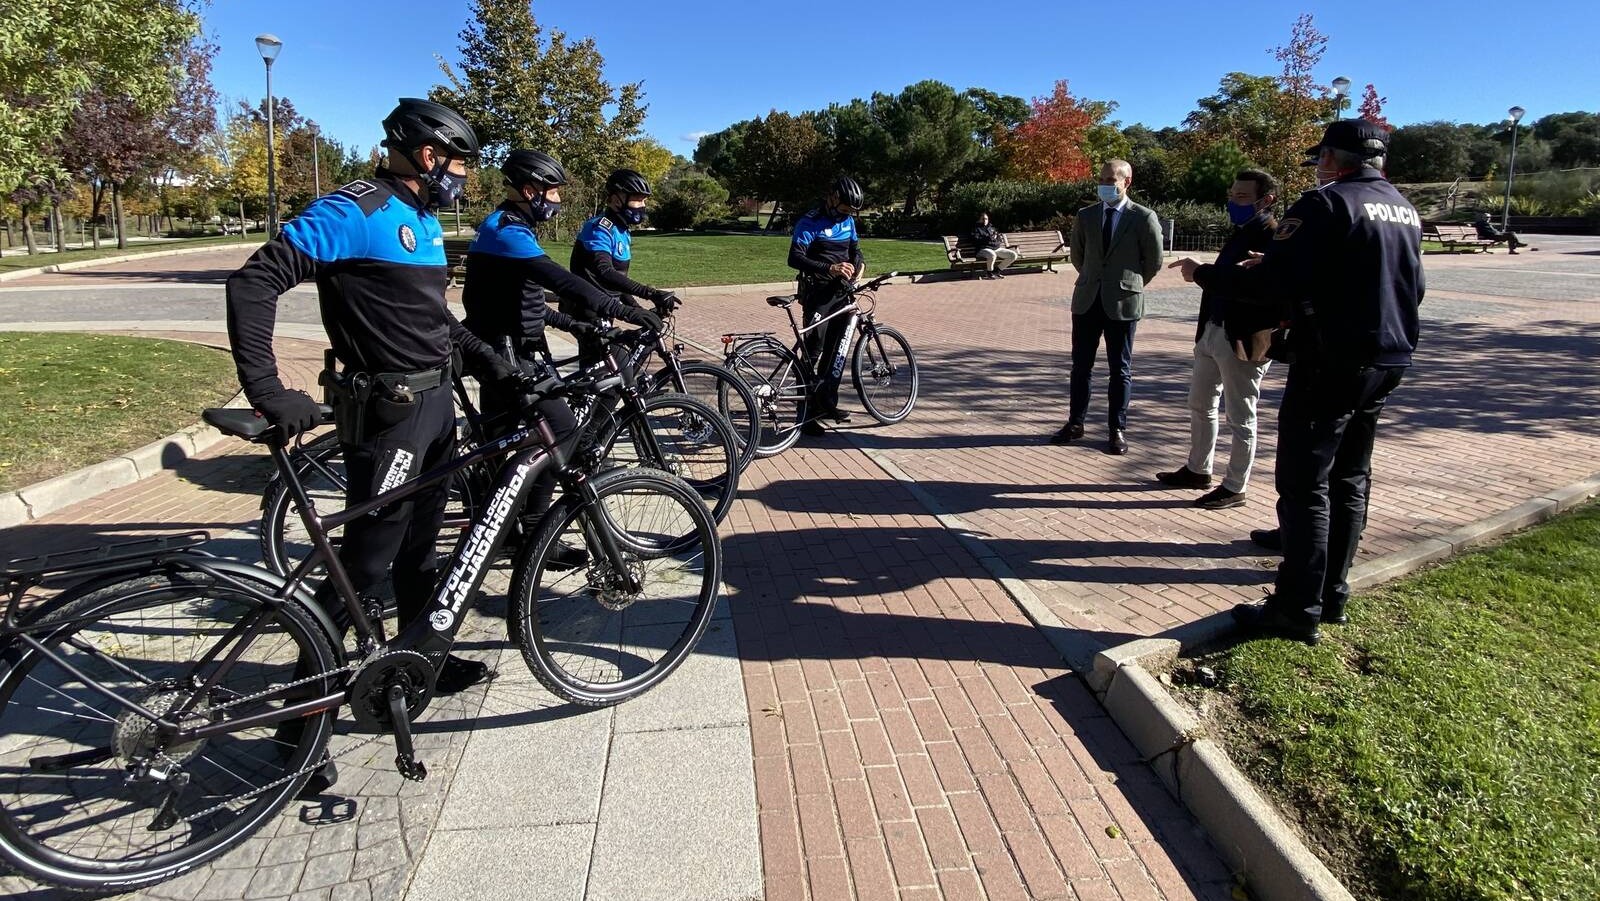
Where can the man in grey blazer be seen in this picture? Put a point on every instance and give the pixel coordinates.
(1116, 248)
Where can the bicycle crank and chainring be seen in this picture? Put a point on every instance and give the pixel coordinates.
(369, 688)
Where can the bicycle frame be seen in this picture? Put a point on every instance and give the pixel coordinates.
(533, 449)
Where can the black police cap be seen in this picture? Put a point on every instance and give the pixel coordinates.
(1359, 136)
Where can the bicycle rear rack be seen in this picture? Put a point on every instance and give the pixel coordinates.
(23, 573)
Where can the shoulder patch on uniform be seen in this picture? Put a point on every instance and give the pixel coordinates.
(370, 197)
(604, 223)
(1286, 229)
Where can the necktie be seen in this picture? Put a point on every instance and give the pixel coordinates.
(1105, 231)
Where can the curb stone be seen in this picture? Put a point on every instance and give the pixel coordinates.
(103, 261)
(1250, 834)
(32, 502)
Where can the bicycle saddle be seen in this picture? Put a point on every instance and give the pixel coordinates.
(246, 423)
(779, 301)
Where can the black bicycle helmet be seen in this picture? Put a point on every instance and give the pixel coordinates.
(530, 167)
(626, 182)
(417, 122)
(848, 191)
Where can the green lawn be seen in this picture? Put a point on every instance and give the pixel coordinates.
(1446, 743)
(69, 400)
(13, 261)
(680, 260)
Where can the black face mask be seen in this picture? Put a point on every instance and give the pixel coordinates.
(541, 210)
(442, 187)
(632, 215)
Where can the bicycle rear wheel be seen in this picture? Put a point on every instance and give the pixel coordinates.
(587, 638)
(775, 375)
(91, 798)
(885, 374)
(283, 537)
(718, 387)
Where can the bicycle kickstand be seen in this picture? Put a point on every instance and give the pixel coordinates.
(405, 758)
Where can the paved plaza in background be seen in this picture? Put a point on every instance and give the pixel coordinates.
(872, 715)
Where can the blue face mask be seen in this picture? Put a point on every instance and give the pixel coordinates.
(1109, 195)
(441, 187)
(1240, 213)
(541, 210)
(632, 215)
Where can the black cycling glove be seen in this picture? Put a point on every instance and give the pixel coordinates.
(292, 411)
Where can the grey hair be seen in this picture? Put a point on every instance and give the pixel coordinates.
(1344, 159)
(1122, 167)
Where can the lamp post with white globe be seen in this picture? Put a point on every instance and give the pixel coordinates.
(1516, 113)
(269, 45)
(1341, 90)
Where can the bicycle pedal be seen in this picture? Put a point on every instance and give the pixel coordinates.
(410, 768)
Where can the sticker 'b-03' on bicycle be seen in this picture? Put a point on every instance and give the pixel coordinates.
(883, 367)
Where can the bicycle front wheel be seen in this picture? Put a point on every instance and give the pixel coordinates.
(92, 797)
(585, 634)
(885, 374)
(687, 438)
(720, 388)
(774, 373)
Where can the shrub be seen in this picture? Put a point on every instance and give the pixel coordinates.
(1013, 205)
(1190, 217)
(690, 202)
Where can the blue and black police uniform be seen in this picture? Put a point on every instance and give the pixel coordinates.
(377, 254)
(1347, 259)
(504, 296)
(601, 256)
(821, 239)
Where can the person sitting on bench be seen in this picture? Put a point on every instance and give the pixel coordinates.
(1488, 231)
(991, 248)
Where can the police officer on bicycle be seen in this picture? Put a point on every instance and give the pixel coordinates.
(376, 250)
(1347, 259)
(504, 295)
(604, 251)
(827, 253)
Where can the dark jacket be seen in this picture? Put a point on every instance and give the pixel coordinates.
(1240, 320)
(986, 236)
(1347, 258)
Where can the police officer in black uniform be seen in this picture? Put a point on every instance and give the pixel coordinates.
(1347, 258)
(504, 295)
(603, 252)
(376, 250)
(826, 251)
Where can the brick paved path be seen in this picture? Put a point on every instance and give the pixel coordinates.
(913, 732)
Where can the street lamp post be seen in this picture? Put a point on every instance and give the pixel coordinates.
(1341, 90)
(269, 45)
(1516, 113)
(316, 169)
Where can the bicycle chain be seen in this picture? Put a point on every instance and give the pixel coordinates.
(275, 689)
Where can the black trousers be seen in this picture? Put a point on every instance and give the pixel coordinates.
(1326, 427)
(1087, 329)
(826, 347)
(402, 535)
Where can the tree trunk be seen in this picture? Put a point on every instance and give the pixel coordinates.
(60, 223)
(27, 230)
(241, 220)
(116, 213)
(911, 197)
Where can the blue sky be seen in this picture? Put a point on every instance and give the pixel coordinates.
(707, 64)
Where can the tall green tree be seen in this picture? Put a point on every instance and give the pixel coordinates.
(931, 133)
(784, 158)
(52, 54)
(1430, 151)
(717, 154)
(1573, 138)
(521, 85)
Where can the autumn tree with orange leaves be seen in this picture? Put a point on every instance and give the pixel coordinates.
(1051, 145)
(1372, 108)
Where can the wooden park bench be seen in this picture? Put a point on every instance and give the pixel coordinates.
(1454, 236)
(1042, 248)
(455, 257)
